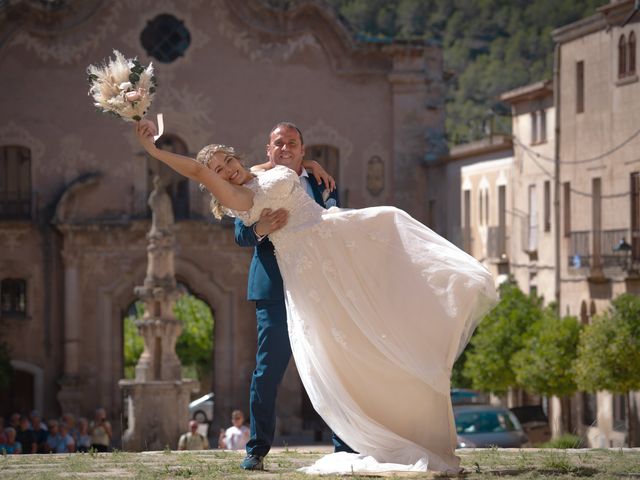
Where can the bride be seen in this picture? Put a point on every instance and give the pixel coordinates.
(378, 309)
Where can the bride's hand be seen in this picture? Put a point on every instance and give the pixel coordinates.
(145, 131)
(322, 176)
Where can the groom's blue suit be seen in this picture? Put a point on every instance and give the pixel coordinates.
(274, 350)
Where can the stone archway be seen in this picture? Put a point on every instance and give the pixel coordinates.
(133, 341)
(114, 298)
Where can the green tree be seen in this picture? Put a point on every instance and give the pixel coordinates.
(609, 353)
(458, 380)
(498, 337)
(133, 342)
(544, 365)
(194, 346)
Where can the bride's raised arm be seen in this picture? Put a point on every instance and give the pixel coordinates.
(235, 197)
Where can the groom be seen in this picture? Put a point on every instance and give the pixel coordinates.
(285, 147)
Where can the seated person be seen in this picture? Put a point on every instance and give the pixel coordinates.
(193, 440)
(11, 446)
(84, 438)
(68, 444)
(26, 436)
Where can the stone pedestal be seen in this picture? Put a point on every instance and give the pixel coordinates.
(158, 398)
(71, 393)
(158, 413)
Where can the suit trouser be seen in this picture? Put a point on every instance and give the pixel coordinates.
(272, 358)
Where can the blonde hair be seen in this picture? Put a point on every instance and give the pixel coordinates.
(204, 157)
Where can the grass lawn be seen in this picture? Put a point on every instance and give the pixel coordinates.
(282, 463)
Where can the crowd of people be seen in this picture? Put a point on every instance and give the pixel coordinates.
(25, 434)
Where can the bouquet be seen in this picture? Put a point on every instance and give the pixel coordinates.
(123, 87)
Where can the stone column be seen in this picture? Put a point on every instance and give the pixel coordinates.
(418, 123)
(71, 383)
(71, 311)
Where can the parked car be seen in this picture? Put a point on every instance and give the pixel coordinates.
(534, 423)
(479, 426)
(464, 396)
(201, 409)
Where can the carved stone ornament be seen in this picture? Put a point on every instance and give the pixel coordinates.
(375, 175)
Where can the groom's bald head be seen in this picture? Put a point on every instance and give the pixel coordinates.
(289, 125)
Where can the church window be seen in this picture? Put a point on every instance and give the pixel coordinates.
(165, 38)
(15, 183)
(13, 297)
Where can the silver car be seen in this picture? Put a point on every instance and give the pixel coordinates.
(480, 426)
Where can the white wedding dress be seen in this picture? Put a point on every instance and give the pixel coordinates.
(378, 308)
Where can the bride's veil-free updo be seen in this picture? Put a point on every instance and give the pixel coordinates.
(204, 157)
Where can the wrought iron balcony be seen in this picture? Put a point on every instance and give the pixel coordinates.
(598, 250)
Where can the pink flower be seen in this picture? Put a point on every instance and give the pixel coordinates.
(132, 96)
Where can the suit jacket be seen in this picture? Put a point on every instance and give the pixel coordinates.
(265, 281)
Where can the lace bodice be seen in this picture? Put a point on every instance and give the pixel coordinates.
(280, 187)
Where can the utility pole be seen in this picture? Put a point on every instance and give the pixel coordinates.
(556, 174)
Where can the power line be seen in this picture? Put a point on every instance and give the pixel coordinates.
(577, 162)
(573, 190)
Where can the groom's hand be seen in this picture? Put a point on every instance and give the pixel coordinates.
(271, 220)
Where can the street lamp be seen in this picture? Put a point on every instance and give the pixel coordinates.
(622, 246)
(625, 250)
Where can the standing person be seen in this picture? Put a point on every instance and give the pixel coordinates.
(193, 440)
(236, 436)
(100, 431)
(286, 148)
(378, 308)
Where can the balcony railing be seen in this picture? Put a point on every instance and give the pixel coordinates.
(497, 242)
(583, 254)
(13, 209)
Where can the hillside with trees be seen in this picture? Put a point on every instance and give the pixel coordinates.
(490, 46)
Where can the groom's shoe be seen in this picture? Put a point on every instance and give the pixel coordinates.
(252, 462)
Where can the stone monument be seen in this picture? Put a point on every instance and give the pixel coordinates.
(158, 397)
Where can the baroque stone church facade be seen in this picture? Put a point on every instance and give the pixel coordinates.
(74, 184)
